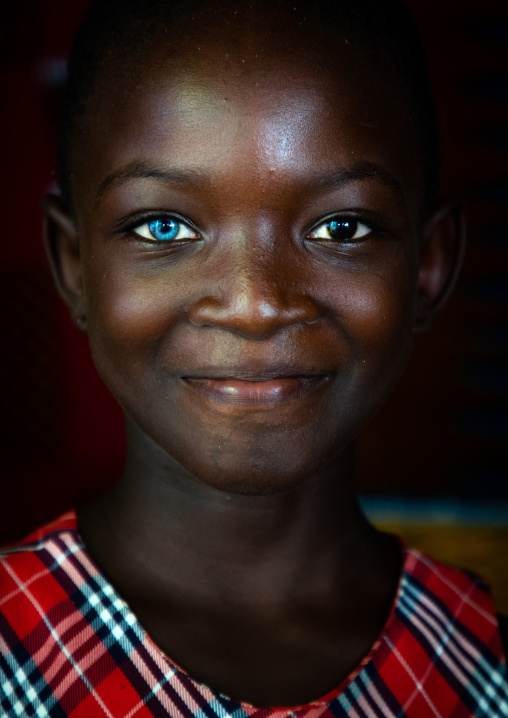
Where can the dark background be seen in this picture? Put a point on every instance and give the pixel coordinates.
(444, 432)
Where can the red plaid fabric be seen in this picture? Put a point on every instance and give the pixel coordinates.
(70, 646)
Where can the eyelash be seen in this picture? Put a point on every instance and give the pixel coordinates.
(176, 226)
(349, 222)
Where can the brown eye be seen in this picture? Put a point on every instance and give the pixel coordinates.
(346, 229)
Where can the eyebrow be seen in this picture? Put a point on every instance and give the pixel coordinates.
(362, 171)
(142, 170)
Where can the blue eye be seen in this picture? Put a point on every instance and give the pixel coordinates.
(347, 229)
(165, 229)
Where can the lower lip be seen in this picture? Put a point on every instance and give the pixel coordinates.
(273, 392)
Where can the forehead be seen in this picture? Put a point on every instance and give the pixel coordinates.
(268, 93)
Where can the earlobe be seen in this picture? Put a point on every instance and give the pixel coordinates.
(62, 249)
(441, 255)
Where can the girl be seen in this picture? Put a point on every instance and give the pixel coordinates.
(247, 231)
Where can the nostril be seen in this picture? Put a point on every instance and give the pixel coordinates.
(253, 316)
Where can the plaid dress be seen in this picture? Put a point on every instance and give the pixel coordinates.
(70, 646)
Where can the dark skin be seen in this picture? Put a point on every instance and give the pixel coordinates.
(249, 351)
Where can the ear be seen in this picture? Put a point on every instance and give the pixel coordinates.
(63, 252)
(441, 254)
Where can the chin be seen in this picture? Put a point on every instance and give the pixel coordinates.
(254, 472)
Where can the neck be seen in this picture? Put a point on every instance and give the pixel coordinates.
(183, 537)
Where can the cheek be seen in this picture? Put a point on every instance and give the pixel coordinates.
(380, 321)
(130, 312)
(381, 316)
(372, 303)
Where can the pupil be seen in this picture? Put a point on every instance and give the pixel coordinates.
(342, 229)
(163, 228)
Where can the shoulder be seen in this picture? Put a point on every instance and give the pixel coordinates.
(454, 585)
(457, 600)
(26, 568)
(65, 522)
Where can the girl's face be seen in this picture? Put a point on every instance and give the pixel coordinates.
(247, 217)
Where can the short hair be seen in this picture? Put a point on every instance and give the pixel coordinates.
(382, 25)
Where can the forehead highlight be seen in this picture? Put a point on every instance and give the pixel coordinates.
(324, 25)
(291, 125)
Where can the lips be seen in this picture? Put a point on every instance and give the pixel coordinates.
(263, 390)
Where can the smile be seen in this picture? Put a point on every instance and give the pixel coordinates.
(257, 392)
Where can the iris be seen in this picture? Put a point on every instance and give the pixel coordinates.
(164, 229)
(342, 229)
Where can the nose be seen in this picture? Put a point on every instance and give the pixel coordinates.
(257, 293)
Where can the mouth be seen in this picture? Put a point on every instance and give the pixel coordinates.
(262, 390)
